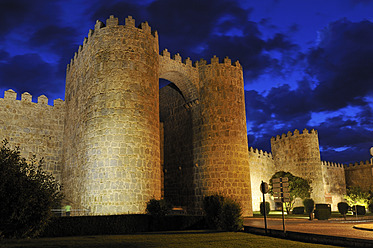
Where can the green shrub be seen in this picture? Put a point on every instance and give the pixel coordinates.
(298, 210)
(158, 207)
(231, 216)
(360, 210)
(267, 209)
(323, 211)
(212, 206)
(222, 213)
(309, 205)
(27, 195)
(343, 208)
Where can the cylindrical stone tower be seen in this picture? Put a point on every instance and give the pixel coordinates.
(111, 146)
(299, 154)
(221, 148)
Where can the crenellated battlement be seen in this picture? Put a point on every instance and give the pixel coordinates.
(177, 58)
(258, 152)
(332, 164)
(11, 95)
(110, 23)
(215, 61)
(295, 134)
(358, 165)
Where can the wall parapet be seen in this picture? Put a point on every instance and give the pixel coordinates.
(332, 164)
(11, 95)
(258, 152)
(358, 165)
(295, 134)
(215, 61)
(177, 58)
(111, 22)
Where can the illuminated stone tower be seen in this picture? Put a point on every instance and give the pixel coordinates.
(221, 150)
(300, 155)
(111, 142)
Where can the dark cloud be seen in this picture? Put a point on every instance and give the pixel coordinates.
(60, 41)
(343, 64)
(4, 55)
(20, 13)
(29, 73)
(280, 42)
(365, 2)
(339, 132)
(187, 26)
(103, 9)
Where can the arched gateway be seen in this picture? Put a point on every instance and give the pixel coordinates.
(124, 137)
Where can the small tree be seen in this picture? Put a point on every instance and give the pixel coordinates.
(356, 196)
(343, 208)
(27, 195)
(298, 187)
(309, 206)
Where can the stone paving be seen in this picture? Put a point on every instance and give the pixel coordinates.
(333, 227)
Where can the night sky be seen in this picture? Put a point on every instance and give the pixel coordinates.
(307, 64)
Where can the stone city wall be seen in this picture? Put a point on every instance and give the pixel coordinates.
(334, 182)
(37, 128)
(262, 168)
(360, 175)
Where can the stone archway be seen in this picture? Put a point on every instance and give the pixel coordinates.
(176, 116)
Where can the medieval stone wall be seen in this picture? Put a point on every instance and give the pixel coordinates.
(37, 128)
(360, 175)
(112, 134)
(262, 168)
(334, 183)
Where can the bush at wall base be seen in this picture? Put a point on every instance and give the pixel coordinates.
(309, 206)
(231, 216)
(323, 211)
(360, 210)
(343, 208)
(268, 208)
(222, 213)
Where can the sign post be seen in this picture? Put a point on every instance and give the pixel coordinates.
(264, 189)
(281, 193)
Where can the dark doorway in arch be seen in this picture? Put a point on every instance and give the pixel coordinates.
(176, 146)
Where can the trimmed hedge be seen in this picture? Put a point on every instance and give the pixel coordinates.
(121, 224)
(298, 210)
(360, 210)
(323, 211)
(343, 208)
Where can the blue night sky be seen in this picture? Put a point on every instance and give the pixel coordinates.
(307, 64)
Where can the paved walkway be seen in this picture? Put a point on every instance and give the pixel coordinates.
(334, 227)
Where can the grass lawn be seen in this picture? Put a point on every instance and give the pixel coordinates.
(182, 239)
